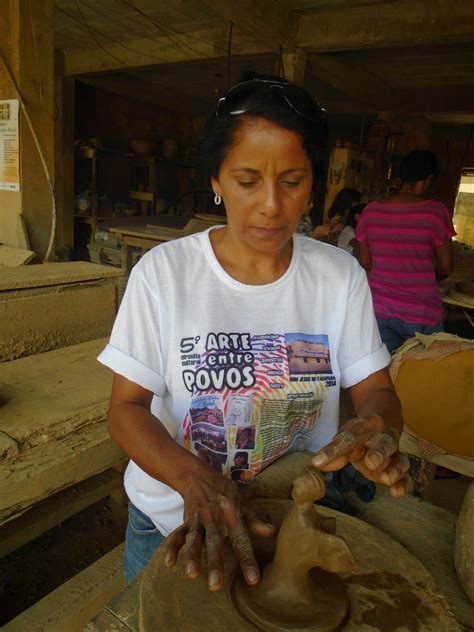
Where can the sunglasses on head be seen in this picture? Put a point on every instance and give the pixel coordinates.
(238, 99)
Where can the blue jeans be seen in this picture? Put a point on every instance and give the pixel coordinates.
(394, 332)
(142, 539)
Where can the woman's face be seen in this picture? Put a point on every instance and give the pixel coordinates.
(265, 181)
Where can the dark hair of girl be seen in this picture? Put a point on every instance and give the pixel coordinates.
(418, 165)
(343, 201)
(351, 214)
(221, 132)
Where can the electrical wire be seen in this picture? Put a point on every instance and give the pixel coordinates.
(164, 28)
(42, 158)
(91, 29)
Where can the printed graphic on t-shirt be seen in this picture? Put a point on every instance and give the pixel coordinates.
(253, 397)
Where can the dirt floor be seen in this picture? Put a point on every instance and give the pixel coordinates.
(34, 570)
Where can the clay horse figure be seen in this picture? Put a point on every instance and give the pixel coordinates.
(299, 590)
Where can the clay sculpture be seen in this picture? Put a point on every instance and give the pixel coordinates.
(298, 589)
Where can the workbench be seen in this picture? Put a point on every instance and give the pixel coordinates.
(146, 237)
(426, 531)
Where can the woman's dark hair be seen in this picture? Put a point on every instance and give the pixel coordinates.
(343, 201)
(352, 212)
(270, 105)
(418, 165)
(242, 455)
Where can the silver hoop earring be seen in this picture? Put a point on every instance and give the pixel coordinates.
(217, 199)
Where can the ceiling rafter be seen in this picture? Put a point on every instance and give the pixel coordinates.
(405, 23)
(268, 20)
(199, 45)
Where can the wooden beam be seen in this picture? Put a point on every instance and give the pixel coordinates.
(137, 53)
(453, 99)
(357, 84)
(407, 23)
(72, 605)
(267, 20)
(46, 469)
(59, 507)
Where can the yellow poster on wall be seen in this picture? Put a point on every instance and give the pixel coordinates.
(9, 146)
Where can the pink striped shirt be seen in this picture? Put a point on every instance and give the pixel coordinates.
(402, 239)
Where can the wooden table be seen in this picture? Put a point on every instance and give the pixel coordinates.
(464, 302)
(427, 532)
(146, 237)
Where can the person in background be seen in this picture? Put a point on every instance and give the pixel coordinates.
(310, 226)
(405, 244)
(343, 202)
(217, 297)
(347, 237)
(341, 205)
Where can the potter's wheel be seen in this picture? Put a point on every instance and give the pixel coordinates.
(392, 591)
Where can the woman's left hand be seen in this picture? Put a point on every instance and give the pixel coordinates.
(372, 448)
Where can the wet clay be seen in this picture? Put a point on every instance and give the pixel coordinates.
(289, 595)
(388, 578)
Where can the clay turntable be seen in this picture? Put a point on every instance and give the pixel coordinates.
(325, 571)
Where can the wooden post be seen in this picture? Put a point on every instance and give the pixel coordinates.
(26, 33)
(294, 64)
(64, 88)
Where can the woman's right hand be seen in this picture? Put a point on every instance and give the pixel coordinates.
(214, 509)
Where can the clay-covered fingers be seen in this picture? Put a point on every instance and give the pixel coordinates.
(194, 542)
(237, 522)
(188, 538)
(174, 545)
(380, 448)
(215, 558)
(395, 475)
(349, 444)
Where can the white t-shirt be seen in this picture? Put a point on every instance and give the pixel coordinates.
(346, 235)
(241, 373)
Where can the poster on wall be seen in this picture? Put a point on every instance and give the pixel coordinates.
(9, 146)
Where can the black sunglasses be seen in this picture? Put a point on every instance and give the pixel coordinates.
(236, 100)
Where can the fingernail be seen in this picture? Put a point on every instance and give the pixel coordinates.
(191, 568)
(168, 558)
(319, 459)
(214, 578)
(375, 460)
(252, 574)
(387, 476)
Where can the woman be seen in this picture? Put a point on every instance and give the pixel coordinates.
(405, 244)
(343, 202)
(216, 314)
(311, 225)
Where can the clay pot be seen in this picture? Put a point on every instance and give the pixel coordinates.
(142, 147)
(169, 148)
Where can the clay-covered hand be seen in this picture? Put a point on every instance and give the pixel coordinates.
(372, 448)
(215, 509)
